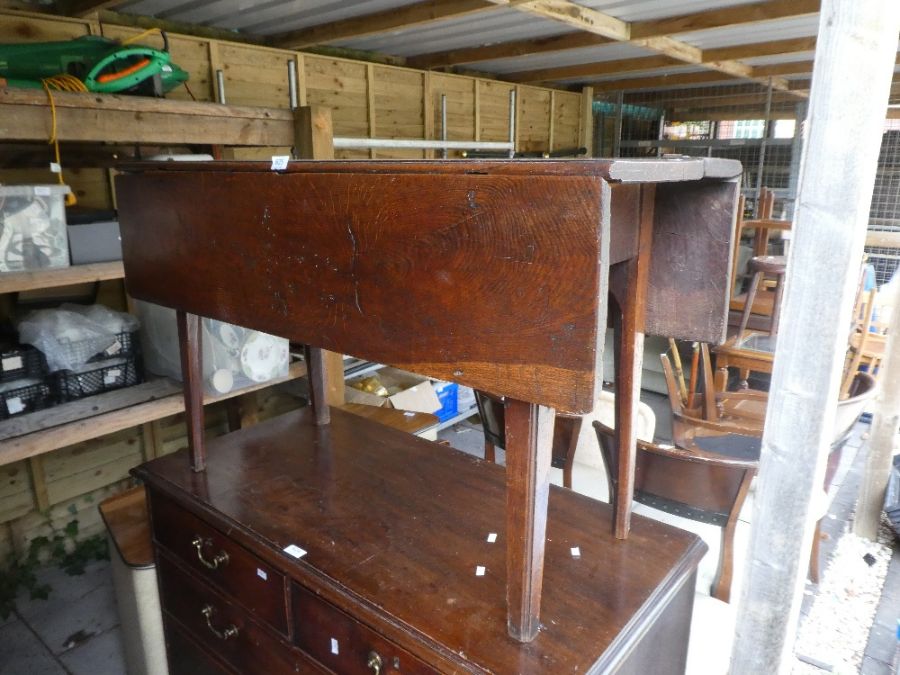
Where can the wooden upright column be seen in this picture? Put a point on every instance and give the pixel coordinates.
(192, 376)
(314, 139)
(529, 439)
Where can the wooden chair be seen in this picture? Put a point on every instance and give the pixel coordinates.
(566, 429)
(763, 226)
(763, 267)
(866, 344)
(706, 480)
(736, 411)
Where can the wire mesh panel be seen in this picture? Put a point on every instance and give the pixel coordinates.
(883, 242)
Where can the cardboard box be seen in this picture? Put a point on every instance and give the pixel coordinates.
(408, 391)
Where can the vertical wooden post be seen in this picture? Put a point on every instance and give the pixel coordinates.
(313, 133)
(315, 373)
(628, 281)
(190, 342)
(529, 439)
(314, 139)
(883, 437)
(586, 120)
(855, 51)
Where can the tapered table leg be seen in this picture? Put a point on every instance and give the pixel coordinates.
(529, 440)
(190, 345)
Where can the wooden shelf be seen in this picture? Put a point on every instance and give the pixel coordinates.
(14, 282)
(69, 423)
(25, 116)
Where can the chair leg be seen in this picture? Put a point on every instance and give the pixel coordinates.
(814, 554)
(776, 305)
(721, 588)
(748, 305)
(489, 452)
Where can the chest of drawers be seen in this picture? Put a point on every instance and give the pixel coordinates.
(394, 529)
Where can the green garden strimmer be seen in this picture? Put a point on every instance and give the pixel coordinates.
(102, 65)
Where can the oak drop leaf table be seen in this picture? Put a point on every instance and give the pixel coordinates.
(323, 541)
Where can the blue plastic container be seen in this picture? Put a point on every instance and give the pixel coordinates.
(448, 395)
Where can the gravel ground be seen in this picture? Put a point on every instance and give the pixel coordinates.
(833, 636)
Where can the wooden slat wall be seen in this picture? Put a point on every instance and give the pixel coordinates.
(367, 100)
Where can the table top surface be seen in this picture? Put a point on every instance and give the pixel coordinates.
(400, 525)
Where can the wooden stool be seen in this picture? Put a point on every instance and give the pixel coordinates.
(773, 266)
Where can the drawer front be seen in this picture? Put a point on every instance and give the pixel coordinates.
(222, 562)
(222, 627)
(343, 644)
(186, 657)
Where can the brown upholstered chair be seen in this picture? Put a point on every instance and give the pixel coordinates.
(565, 433)
(706, 481)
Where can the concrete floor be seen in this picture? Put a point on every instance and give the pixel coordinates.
(76, 630)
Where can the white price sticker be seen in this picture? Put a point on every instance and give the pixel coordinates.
(12, 363)
(335, 648)
(14, 405)
(294, 550)
(55, 167)
(42, 190)
(492, 537)
(111, 376)
(280, 162)
(479, 571)
(262, 574)
(576, 552)
(115, 348)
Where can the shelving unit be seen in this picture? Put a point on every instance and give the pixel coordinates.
(45, 430)
(16, 282)
(25, 116)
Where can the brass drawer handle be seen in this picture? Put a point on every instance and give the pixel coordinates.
(375, 663)
(221, 559)
(230, 631)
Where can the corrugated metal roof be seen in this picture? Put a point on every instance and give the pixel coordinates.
(491, 26)
(611, 52)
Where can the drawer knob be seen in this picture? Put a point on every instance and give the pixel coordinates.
(230, 630)
(220, 559)
(375, 663)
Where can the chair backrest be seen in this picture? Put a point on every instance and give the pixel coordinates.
(491, 408)
(677, 481)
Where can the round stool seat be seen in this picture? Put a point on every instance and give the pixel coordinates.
(768, 264)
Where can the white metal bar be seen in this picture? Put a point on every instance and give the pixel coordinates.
(418, 144)
(292, 83)
(444, 124)
(220, 81)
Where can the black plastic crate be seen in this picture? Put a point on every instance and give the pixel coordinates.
(126, 345)
(23, 399)
(20, 362)
(97, 378)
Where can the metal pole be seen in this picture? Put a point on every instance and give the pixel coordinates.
(662, 132)
(512, 123)
(292, 83)
(617, 134)
(856, 47)
(444, 124)
(220, 85)
(418, 144)
(762, 151)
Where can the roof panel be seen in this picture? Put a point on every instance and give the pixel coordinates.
(611, 52)
(502, 25)
(748, 33)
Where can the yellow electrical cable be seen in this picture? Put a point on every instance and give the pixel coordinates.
(147, 32)
(63, 82)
